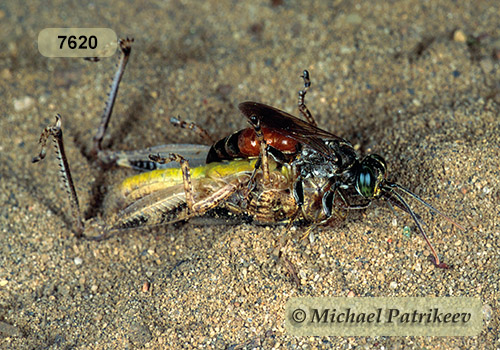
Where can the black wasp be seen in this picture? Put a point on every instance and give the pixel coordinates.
(327, 169)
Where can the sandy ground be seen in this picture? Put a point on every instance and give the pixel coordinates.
(417, 83)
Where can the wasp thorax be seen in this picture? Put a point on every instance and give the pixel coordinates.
(370, 175)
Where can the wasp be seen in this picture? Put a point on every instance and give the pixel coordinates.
(328, 172)
(280, 170)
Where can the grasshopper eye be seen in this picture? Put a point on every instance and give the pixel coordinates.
(370, 175)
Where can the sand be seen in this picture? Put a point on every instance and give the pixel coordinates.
(415, 82)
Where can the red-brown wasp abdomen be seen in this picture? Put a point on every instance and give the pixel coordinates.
(249, 145)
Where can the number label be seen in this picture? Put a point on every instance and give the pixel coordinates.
(72, 42)
(77, 42)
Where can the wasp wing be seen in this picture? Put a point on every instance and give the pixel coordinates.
(290, 126)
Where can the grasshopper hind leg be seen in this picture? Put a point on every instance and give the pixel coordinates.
(126, 48)
(66, 179)
(79, 228)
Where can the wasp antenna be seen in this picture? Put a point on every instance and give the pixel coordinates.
(394, 201)
(389, 189)
(410, 193)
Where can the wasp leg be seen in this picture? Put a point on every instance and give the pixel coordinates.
(308, 232)
(302, 94)
(126, 48)
(263, 161)
(277, 157)
(290, 268)
(278, 255)
(56, 132)
(193, 126)
(347, 204)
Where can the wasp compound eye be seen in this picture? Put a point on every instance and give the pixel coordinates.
(366, 183)
(370, 175)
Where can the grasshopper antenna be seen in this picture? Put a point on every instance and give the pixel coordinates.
(194, 127)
